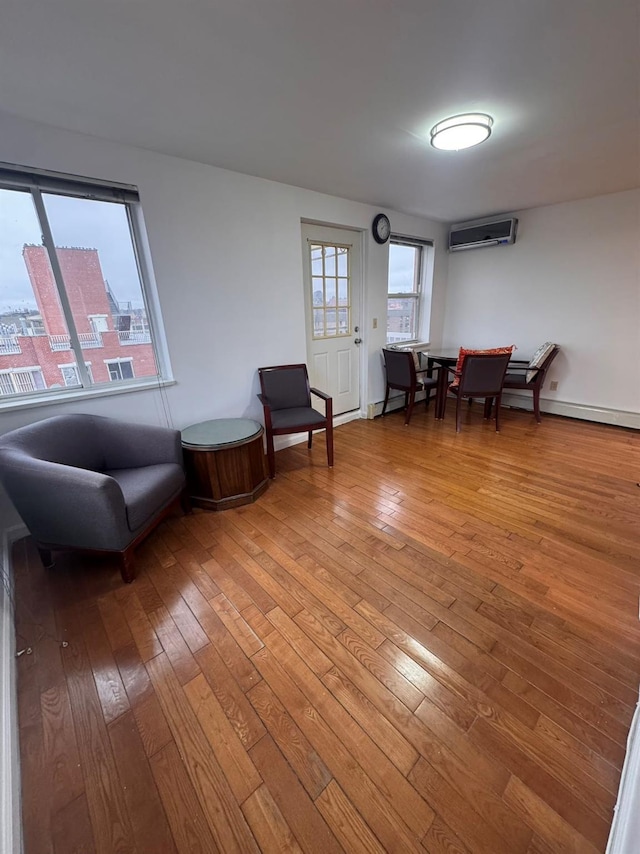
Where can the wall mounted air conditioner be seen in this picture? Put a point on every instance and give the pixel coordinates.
(499, 232)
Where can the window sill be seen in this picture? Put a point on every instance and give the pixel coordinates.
(59, 396)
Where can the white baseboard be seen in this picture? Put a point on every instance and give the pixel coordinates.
(625, 829)
(10, 824)
(616, 417)
(297, 438)
(397, 402)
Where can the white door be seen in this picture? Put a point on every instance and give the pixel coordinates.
(332, 282)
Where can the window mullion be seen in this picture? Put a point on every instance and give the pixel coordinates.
(47, 239)
(144, 274)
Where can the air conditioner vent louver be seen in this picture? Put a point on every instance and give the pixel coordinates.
(481, 234)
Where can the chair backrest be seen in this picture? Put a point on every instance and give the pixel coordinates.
(464, 352)
(483, 375)
(285, 386)
(400, 367)
(73, 440)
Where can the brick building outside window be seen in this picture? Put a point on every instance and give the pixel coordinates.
(115, 338)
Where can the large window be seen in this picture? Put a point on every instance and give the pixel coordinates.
(71, 287)
(406, 266)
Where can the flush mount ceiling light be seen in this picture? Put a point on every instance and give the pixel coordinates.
(463, 131)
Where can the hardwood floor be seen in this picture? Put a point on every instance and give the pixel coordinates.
(432, 647)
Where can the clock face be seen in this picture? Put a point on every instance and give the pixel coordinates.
(381, 228)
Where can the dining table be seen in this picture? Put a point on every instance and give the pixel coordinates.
(444, 360)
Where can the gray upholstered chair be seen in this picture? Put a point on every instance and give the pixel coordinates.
(286, 401)
(482, 376)
(401, 374)
(91, 483)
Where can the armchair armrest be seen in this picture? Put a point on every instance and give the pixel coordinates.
(328, 400)
(524, 368)
(266, 406)
(65, 505)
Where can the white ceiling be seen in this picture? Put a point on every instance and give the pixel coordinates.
(339, 95)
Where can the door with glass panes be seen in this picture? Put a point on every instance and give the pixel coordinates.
(332, 282)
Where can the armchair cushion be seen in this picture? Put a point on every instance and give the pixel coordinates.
(145, 490)
(538, 358)
(299, 416)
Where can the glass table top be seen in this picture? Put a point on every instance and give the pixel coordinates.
(220, 432)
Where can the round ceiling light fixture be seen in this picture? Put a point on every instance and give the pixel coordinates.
(463, 131)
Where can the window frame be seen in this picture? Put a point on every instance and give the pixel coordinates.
(28, 369)
(36, 182)
(119, 361)
(417, 295)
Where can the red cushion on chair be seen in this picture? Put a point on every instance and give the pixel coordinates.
(494, 351)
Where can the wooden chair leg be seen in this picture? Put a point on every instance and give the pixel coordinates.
(427, 397)
(127, 566)
(185, 502)
(329, 438)
(536, 404)
(412, 398)
(488, 403)
(386, 400)
(271, 456)
(310, 439)
(458, 420)
(498, 402)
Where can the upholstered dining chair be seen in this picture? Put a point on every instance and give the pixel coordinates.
(482, 376)
(401, 374)
(286, 401)
(530, 376)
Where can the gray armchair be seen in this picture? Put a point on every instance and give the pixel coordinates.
(91, 483)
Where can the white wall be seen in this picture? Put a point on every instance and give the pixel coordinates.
(227, 259)
(572, 277)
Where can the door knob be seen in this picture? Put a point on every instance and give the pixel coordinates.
(357, 340)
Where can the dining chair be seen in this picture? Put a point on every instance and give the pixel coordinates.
(401, 374)
(531, 376)
(482, 376)
(286, 401)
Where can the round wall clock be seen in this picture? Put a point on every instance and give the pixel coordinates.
(381, 228)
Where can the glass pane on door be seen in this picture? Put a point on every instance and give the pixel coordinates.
(330, 287)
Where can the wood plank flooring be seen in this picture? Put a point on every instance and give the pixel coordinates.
(432, 647)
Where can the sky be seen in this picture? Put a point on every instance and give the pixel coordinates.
(74, 222)
(401, 269)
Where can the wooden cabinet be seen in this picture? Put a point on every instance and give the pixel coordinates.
(225, 462)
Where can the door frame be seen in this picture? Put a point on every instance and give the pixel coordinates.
(359, 246)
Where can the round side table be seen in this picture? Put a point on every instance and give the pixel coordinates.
(225, 462)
